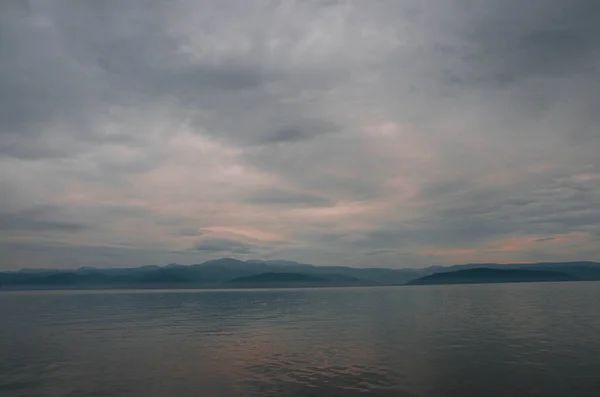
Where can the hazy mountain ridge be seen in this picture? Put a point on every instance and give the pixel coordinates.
(217, 273)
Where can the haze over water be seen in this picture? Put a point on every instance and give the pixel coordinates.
(480, 340)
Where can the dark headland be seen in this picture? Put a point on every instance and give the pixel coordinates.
(486, 275)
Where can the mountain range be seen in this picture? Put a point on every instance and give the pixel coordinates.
(229, 272)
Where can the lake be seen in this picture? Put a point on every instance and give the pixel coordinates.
(538, 339)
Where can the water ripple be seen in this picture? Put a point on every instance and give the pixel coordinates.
(495, 340)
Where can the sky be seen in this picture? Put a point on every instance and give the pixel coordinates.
(384, 133)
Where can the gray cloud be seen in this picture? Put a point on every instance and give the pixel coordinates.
(328, 130)
(540, 37)
(545, 239)
(35, 220)
(302, 130)
(222, 245)
(281, 197)
(188, 232)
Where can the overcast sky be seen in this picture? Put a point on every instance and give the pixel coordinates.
(400, 133)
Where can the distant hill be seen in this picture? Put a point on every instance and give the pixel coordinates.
(219, 272)
(488, 275)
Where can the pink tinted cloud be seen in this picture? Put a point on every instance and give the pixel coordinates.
(516, 249)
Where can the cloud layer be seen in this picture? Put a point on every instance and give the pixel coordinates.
(388, 133)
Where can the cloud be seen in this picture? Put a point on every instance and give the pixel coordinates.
(542, 239)
(284, 198)
(35, 220)
(361, 133)
(188, 232)
(222, 245)
(301, 130)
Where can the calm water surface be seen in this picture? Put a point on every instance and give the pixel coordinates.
(479, 340)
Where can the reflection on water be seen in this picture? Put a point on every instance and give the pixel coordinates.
(479, 340)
